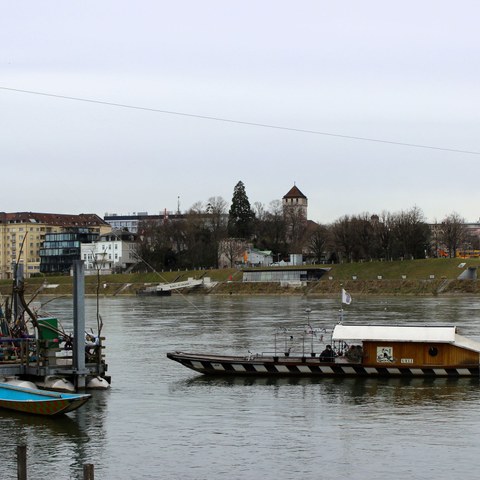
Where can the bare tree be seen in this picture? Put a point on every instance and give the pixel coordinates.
(155, 244)
(453, 233)
(270, 229)
(217, 221)
(318, 242)
(233, 250)
(383, 231)
(365, 237)
(344, 237)
(411, 234)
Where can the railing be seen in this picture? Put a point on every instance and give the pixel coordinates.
(31, 352)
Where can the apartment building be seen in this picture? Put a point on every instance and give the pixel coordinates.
(112, 252)
(22, 235)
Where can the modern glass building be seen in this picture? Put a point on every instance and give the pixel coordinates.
(59, 250)
(279, 274)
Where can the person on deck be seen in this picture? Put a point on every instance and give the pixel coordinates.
(327, 355)
(355, 353)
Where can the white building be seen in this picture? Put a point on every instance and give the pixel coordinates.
(113, 252)
(260, 257)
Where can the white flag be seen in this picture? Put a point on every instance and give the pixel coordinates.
(346, 298)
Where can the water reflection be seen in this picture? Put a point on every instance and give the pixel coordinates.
(56, 444)
(393, 391)
(22, 423)
(160, 420)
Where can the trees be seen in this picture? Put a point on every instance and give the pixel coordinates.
(318, 242)
(411, 234)
(367, 237)
(216, 213)
(204, 229)
(240, 216)
(344, 239)
(231, 251)
(155, 242)
(270, 228)
(453, 233)
(197, 238)
(382, 228)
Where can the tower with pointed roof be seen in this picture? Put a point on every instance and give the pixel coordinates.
(296, 201)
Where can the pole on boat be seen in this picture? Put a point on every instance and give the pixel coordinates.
(18, 276)
(79, 324)
(311, 331)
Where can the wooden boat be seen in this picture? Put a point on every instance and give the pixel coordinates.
(378, 350)
(40, 402)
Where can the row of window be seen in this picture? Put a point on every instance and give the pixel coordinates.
(64, 244)
(55, 252)
(100, 259)
(275, 276)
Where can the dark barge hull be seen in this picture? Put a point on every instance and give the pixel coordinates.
(307, 366)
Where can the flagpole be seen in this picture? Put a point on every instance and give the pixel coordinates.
(341, 305)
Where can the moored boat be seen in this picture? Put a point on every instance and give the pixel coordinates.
(369, 350)
(39, 402)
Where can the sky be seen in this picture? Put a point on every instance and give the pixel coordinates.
(212, 81)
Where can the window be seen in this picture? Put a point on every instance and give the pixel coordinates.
(433, 351)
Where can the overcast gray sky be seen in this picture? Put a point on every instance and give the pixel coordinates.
(406, 72)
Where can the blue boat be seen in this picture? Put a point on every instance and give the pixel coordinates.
(39, 402)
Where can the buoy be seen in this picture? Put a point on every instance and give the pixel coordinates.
(53, 382)
(16, 382)
(98, 383)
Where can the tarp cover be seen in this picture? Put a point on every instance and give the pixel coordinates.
(398, 333)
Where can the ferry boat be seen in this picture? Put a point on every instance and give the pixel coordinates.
(368, 351)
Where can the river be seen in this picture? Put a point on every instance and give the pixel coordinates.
(162, 421)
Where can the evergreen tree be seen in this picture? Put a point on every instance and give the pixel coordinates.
(241, 216)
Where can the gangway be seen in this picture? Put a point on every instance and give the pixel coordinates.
(167, 288)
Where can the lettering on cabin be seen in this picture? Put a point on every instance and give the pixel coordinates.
(406, 360)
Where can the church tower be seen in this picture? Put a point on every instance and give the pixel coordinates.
(296, 201)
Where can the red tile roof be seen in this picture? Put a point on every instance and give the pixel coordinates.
(294, 193)
(58, 219)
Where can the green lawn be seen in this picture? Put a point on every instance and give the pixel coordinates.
(413, 269)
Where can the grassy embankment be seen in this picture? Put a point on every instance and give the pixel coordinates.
(412, 277)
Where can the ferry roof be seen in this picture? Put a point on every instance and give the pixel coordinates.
(397, 333)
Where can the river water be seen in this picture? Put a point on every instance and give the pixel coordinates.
(162, 421)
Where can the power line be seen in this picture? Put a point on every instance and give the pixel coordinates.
(240, 122)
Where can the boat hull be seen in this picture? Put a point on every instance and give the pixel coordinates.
(306, 366)
(39, 402)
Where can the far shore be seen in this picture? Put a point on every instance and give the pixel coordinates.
(428, 277)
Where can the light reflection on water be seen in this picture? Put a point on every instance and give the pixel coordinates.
(161, 420)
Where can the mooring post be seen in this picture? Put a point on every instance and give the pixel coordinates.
(79, 324)
(88, 471)
(22, 462)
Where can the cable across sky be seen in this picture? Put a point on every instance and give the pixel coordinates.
(239, 122)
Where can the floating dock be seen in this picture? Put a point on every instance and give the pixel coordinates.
(51, 360)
